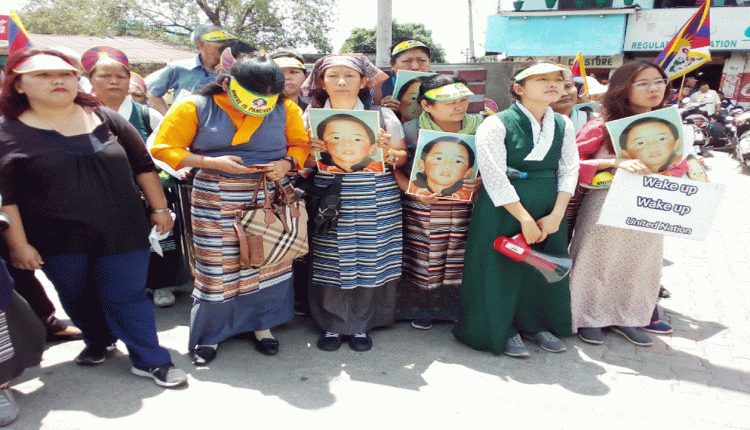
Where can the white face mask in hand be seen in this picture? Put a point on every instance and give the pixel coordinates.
(154, 237)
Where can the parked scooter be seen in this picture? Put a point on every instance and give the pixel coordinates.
(742, 149)
(742, 129)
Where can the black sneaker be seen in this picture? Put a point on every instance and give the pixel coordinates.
(360, 342)
(165, 376)
(329, 341)
(93, 355)
(422, 323)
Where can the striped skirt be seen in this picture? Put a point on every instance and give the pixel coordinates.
(219, 277)
(356, 266)
(22, 340)
(364, 250)
(6, 347)
(229, 299)
(434, 244)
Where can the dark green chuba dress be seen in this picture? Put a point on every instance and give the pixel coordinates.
(499, 296)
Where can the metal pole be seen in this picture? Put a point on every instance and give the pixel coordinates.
(384, 36)
(471, 33)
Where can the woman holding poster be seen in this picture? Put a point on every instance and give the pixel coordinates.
(357, 263)
(436, 228)
(501, 299)
(616, 273)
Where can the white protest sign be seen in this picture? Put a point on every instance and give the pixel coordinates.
(661, 204)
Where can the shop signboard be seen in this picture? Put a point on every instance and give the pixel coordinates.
(596, 62)
(651, 30)
(4, 31)
(731, 77)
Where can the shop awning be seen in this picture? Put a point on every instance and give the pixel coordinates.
(557, 33)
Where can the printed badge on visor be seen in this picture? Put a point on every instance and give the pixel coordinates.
(249, 102)
(448, 92)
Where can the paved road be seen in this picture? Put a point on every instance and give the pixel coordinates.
(696, 378)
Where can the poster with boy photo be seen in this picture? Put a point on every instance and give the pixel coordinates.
(406, 91)
(655, 138)
(442, 162)
(351, 140)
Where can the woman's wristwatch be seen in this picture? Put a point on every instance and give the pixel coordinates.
(161, 211)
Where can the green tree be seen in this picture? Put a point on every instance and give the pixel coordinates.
(267, 24)
(85, 17)
(365, 40)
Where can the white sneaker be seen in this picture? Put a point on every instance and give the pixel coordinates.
(163, 298)
(165, 376)
(9, 410)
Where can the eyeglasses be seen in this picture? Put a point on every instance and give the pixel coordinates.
(642, 85)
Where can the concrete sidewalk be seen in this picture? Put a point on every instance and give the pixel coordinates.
(696, 378)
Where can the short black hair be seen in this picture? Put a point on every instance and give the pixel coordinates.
(345, 117)
(451, 139)
(238, 48)
(646, 119)
(260, 75)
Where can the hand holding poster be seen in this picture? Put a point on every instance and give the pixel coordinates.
(442, 163)
(656, 139)
(350, 138)
(677, 201)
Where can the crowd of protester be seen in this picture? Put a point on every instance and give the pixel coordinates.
(88, 177)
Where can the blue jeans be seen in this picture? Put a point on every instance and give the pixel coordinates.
(106, 298)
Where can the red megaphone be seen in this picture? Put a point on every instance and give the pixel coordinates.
(552, 268)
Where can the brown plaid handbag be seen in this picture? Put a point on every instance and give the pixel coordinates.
(272, 231)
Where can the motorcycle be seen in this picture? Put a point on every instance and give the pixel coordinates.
(742, 149)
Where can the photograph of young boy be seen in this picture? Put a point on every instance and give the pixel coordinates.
(351, 145)
(654, 141)
(443, 165)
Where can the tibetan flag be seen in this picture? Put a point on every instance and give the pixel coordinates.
(490, 107)
(17, 36)
(689, 48)
(577, 69)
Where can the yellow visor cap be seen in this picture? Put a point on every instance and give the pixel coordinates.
(448, 92)
(217, 36)
(602, 179)
(249, 102)
(289, 62)
(406, 45)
